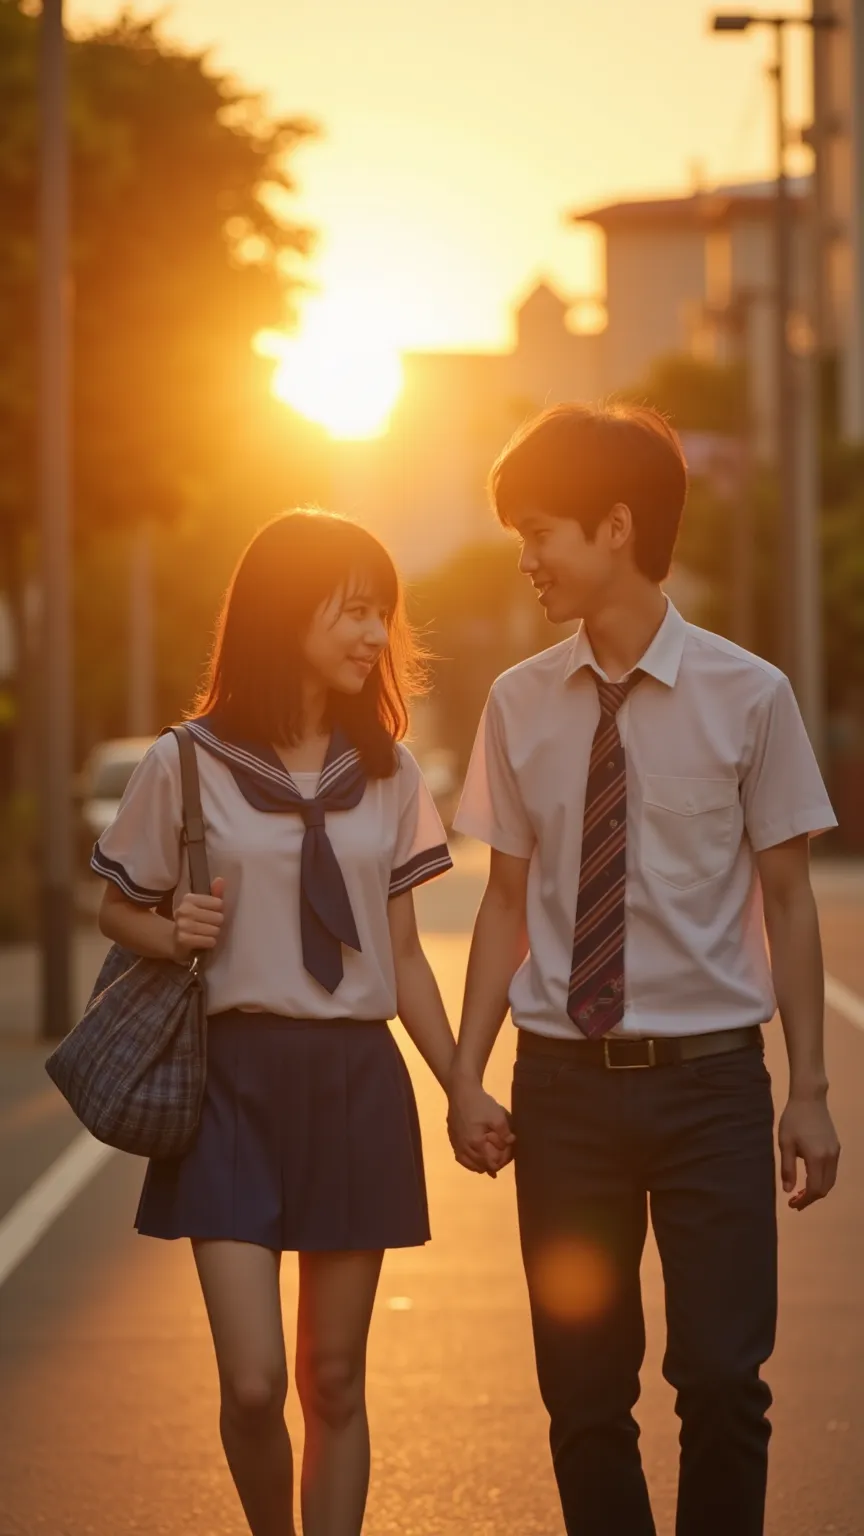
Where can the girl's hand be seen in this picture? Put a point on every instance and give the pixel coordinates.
(198, 922)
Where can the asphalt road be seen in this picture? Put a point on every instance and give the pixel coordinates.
(108, 1387)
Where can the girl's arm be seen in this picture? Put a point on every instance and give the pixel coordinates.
(197, 923)
(418, 999)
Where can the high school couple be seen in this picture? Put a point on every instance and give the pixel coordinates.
(648, 793)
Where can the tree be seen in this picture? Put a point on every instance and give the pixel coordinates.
(17, 278)
(696, 396)
(478, 616)
(181, 256)
(183, 247)
(703, 397)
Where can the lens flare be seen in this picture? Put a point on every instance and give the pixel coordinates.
(572, 1280)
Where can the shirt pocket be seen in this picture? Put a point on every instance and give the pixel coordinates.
(688, 827)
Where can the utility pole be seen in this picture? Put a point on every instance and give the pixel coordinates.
(55, 499)
(743, 528)
(799, 616)
(141, 710)
(733, 315)
(807, 636)
(788, 587)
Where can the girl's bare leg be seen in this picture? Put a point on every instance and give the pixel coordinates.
(241, 1291)
(337, 1293)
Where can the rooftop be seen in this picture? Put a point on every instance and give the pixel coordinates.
(707, 206)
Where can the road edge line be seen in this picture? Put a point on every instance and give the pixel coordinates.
(844, 1001)
(46, 1199)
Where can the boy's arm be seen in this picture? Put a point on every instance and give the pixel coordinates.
(498, 947)
(792, 924)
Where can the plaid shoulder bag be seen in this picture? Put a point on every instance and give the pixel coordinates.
(133, 1067)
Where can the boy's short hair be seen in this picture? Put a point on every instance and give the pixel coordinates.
(579, 461)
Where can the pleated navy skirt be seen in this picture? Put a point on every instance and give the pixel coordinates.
(309, 1140)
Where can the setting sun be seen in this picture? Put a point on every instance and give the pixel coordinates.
(338, 371)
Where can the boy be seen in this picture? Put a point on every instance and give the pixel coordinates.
(648, 792)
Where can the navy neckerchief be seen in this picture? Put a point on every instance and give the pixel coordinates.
(326, 919)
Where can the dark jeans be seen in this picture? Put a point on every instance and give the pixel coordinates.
(593, 1147)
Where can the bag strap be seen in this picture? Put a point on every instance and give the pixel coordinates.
(193, 818)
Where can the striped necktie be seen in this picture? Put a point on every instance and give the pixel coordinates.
(595, 999)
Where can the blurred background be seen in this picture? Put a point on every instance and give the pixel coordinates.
(336, 254)
(324, 251)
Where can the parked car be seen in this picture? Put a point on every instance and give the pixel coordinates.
(111, 764)
(102, 782)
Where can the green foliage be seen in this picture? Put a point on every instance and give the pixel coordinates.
(18, 127)
(697, 396)
(179, 256)
(183, 247)
(843, 597)
(478, 616)
(275, 461)
(171, 292)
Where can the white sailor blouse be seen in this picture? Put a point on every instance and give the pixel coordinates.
(309, 863)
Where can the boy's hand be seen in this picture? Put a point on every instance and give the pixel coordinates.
(477, 1122)
(807, 1131)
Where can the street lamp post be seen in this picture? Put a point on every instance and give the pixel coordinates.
(798, 592)
(54, 495)
(738, 319)
(141, 709)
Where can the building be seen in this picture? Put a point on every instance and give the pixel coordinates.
(694, 274)
(422, 485)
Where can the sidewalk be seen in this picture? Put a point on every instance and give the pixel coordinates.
(20, 984)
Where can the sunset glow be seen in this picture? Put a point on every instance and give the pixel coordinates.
(338, 371)
(452, 213)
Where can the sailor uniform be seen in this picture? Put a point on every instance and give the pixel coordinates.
(309, 1137)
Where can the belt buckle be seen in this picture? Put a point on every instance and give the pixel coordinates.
(628, 1066)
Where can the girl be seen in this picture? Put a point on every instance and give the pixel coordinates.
(318, 826)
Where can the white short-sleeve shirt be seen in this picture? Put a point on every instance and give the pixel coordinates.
(719, 767)
(388, 843)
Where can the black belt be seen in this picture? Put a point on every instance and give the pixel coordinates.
(618, 1051)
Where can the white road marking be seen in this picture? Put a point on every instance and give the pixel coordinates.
(844, 1001)
(22, 1227)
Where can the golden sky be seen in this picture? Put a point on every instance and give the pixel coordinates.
(457, 133)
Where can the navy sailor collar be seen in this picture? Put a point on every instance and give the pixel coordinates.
(259, 763)
(326, 919)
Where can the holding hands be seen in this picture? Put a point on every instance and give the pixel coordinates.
(479, 1127)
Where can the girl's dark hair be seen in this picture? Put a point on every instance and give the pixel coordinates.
(253, 682)
(580, 461)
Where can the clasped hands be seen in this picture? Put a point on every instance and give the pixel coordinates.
(479, 1127)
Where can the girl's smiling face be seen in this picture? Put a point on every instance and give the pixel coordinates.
(347, 636)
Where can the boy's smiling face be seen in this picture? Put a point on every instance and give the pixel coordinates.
(570, 572)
